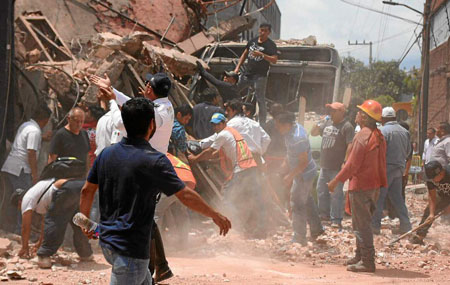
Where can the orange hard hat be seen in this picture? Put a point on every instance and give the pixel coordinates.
(372, 108)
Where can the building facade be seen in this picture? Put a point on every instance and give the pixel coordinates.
(439, 88)
(271, 15)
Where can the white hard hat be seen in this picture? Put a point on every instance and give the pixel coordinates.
(388, 112)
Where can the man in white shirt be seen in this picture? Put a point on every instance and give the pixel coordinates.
(104, 132)
(20, 166)
(157, 89)
(429, 144)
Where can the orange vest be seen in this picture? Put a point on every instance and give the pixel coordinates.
(244, 156)
(183, 171)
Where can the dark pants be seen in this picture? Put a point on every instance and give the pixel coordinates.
(243, 200)
(441, 205)
(259, 84)
(363, 205)
(157, 255)
(14, 218)
(65, 204)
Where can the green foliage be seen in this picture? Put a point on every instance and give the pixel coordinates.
(385, 100)
(383, 80)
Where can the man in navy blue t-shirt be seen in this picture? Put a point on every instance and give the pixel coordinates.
(129, 175)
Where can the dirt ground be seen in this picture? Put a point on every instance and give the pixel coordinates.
(210, 259)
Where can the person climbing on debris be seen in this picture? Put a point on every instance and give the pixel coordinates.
(227, 87)
(438, 187)
(260, 52)
(366, 169)
(242, 186)
(300, 177)
(129, 176)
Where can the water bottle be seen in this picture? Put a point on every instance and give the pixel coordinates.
(87, 224)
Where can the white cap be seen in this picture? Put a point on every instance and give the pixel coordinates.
(388, 112)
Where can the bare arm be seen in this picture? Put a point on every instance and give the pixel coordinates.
(303, 163)
(208, 153)
(432, 203)
(87, 197)
(241, 60)
(32, 161)
(51, 157)
(271, 58)
(193, 201)
(26, 229)
(315, 131)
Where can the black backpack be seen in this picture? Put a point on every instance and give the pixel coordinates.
(64, 167)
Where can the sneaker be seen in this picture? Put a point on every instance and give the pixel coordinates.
(362, 267)
(159, 277)
(87, 258)
(416, 239)
(44, 262)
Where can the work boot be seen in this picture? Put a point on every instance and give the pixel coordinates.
(355, 259)
(416, 239)
(362, 266)
(301, 240)
(44, 262)
(161, 275)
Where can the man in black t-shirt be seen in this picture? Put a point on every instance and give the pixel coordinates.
(260, 52)
(337, 135)
(439, 184)
(71, 140)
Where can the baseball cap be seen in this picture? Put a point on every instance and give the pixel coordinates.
(388, 112)
(433, 168)
(218, 118)
(232, 74)
(160, 83)
(336, 106)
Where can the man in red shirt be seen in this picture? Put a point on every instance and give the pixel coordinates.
(366, 169)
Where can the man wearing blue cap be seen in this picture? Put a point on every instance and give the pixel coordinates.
(242, 190)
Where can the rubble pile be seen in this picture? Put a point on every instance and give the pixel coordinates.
(336, 246)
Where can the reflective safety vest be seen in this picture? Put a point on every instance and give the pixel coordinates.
(183, 171)
(244, 157)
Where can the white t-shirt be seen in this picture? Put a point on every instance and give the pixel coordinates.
(28, 137)
(30, 200)
(254, 135)
(226, 141)
(164, 116)
(104, 132)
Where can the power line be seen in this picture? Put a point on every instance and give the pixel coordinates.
(380, 12)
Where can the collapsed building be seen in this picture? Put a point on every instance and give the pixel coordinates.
(58, 44)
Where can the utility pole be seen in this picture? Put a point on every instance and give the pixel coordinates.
(356, 43)
(423, 122)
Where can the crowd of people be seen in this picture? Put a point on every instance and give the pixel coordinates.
(112, 162)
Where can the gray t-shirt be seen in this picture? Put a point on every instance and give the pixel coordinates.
(335, 138)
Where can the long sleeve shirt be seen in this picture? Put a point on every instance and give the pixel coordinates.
(366, 164)
(227, 90)
(398, 147)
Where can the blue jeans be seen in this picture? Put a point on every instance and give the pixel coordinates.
(259, 83)
(127, 270)
(330, 204)
(394, 191)
(304, 209)
(24, 182)
(65, 204)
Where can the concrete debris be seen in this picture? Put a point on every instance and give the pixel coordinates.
(15, 275)
(5, 245)
(231, 28)
(308, 41)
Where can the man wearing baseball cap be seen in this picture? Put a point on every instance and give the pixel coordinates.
(438, 185)
(227, 87)
(337, 135)
(366, 169)
(242, 188)
(398, 149)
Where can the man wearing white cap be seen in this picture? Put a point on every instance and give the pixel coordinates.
(398, 148)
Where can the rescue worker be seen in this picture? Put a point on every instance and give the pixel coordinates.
(438, 185)
(398, 147)
(242, 189)
(366, 169)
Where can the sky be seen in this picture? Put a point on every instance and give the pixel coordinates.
(335, 22)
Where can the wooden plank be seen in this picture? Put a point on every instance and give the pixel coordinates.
(136, 75)
(49, 41)
(28, 28)
(301, 110)
(209, 181)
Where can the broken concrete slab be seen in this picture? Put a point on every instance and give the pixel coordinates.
(231, 28)
(5, 245)
(195, 43)
(132, 44)
(180, 64)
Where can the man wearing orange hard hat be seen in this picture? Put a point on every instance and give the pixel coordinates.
(366, 169)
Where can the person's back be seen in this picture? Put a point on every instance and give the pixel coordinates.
(255, 136)
(202, 113)
(398, 145)
(164, 123)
